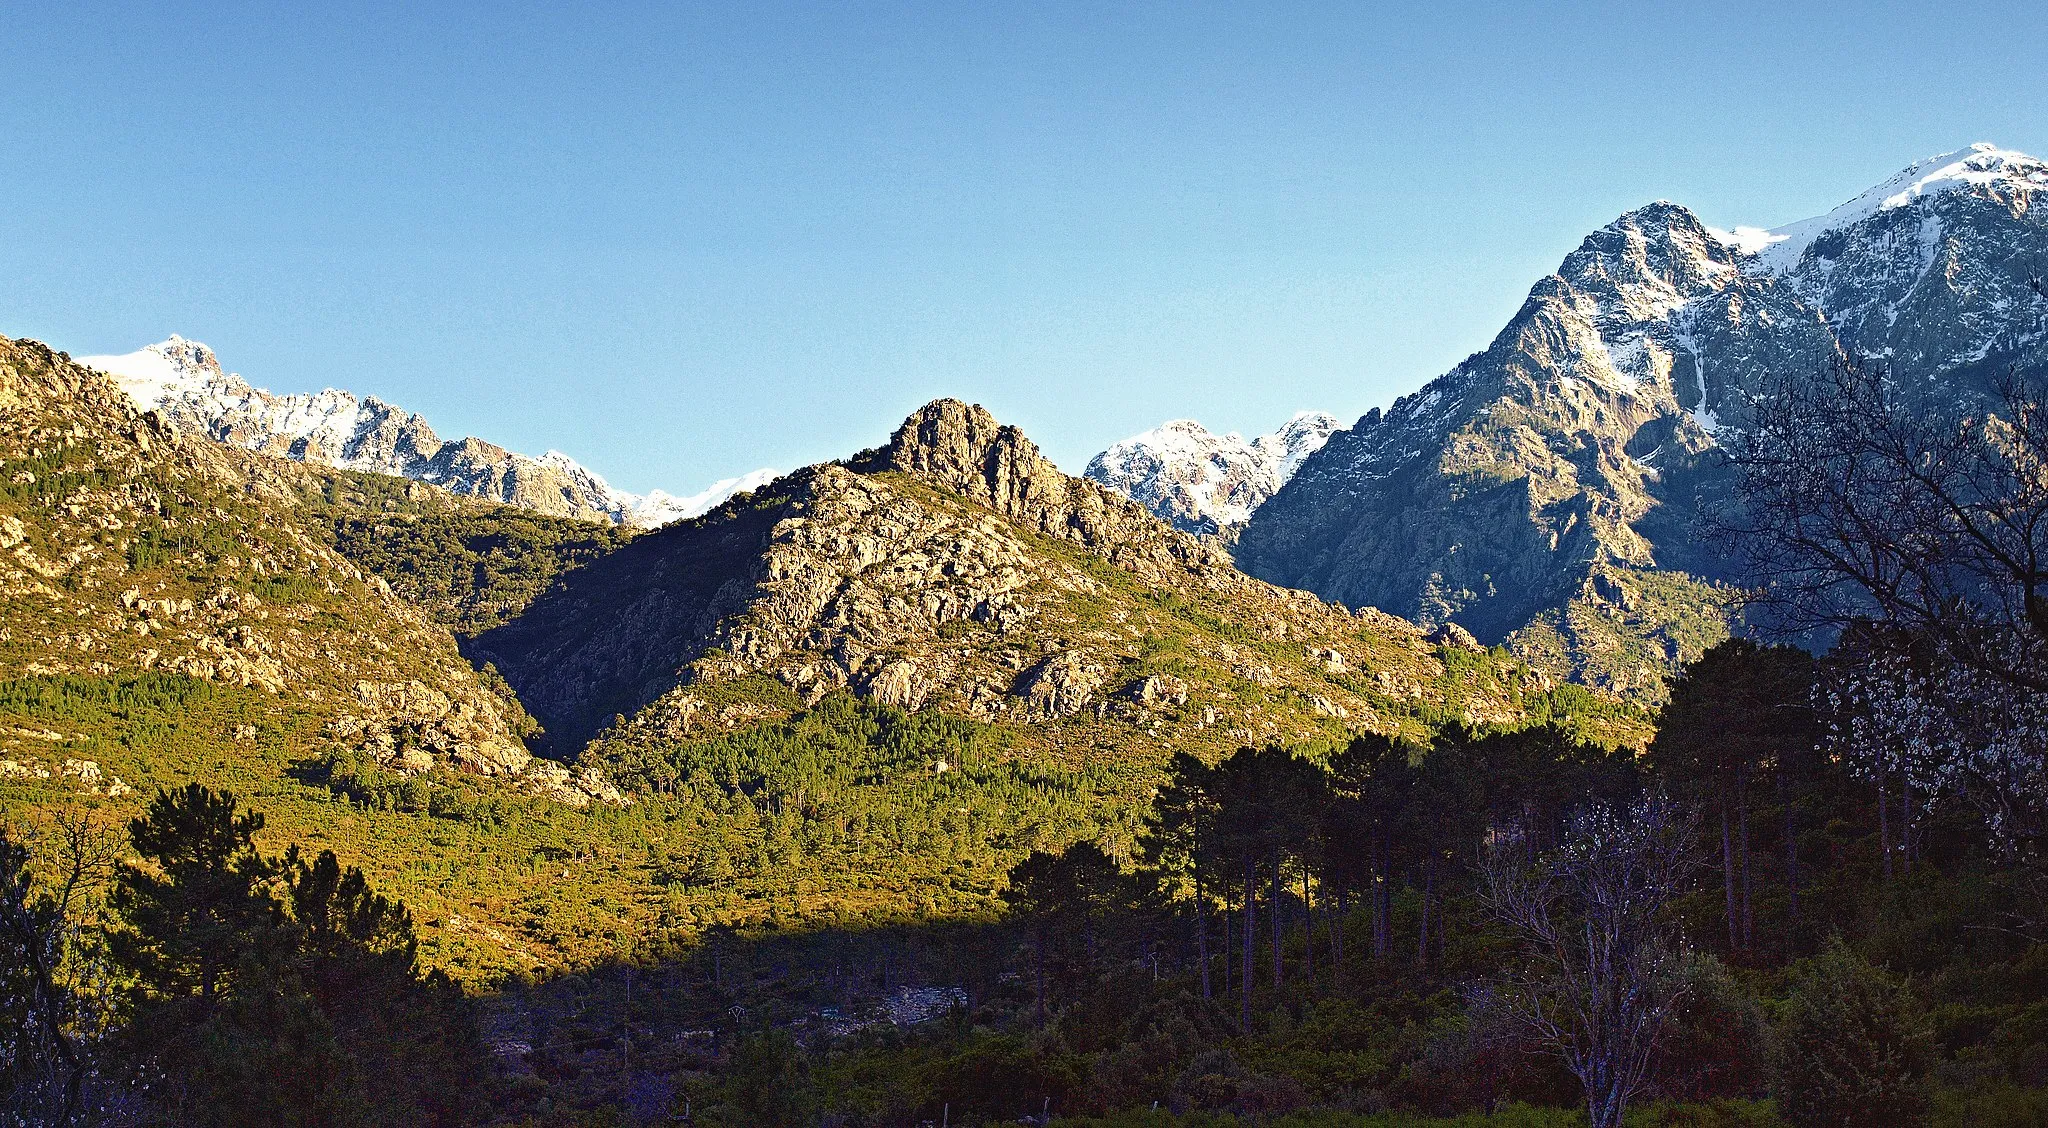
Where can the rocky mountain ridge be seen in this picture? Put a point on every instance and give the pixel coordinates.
(129, 547)
(1202, 482)
(183, 382)
(957, 568)
(1543, 492)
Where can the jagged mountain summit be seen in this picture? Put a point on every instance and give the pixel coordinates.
(956, 568)
(1543, 493)
(1202, 482)
(184, 383)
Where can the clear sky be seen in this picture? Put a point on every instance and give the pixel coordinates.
(679, 242)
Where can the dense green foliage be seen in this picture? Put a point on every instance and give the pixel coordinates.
(224, 987)
(473, 569)
(1112, 984)
(1853, 1049)
(850, 798)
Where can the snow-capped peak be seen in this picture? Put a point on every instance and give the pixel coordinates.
(184, 382)
(1205, 482)
(660, 508)
(154, 375)
(1302, 435)
(1778, 250)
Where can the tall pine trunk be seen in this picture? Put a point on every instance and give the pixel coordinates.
(1383, 918)
(1904, 848)
(1251, 892)
(1381, 880)
(1884, 828)
(1202, 932)
(1742, 812)
(1428, 894)
(1308, 933)
(1336, 929)
(1279, 922)
(1229, 936)
(1791, 851)
(1728, 875)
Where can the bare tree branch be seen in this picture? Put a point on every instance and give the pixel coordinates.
(1602, 975)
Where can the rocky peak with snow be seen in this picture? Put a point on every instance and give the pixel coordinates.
(1203, 482)
(1932, 269)
(1983, 171)
(1541, 494)
(184, 383)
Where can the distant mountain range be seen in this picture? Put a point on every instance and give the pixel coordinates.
(183, 382)
(1202, 482)
(1543, 493)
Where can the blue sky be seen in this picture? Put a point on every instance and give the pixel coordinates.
(680, 242)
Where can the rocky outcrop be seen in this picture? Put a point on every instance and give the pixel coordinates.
(414, 726)
(1061, 685)
(963, 450)
(953, 569)
(903, 683)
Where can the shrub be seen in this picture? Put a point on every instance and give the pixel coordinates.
(1852, 1049)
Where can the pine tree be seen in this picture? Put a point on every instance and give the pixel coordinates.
(1853, 1051)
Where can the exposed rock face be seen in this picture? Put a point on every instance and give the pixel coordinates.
(412, 725)
(902, 683)
(954, 568)
(1543, 492)
(183, 382)
(1158, 691)
(1062, 685)
(962, 449)
(1206, 483)
(134, 545)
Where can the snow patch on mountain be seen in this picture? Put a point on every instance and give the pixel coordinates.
(184, 382)
(659, 508)
(1983, 165)
(1204, 482)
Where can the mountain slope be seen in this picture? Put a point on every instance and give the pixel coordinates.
(132, 549)
(1202, 482)
(957, 569)
(184, 383)
(1531, 492)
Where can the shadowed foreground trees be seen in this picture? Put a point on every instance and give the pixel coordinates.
(1362, 964)
(255, 991)
(274, 992)
(1739, 718)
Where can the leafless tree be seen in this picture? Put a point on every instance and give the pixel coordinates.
(61, 1010)
(1917, 519)
(1863, 496)
(1603, 970)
